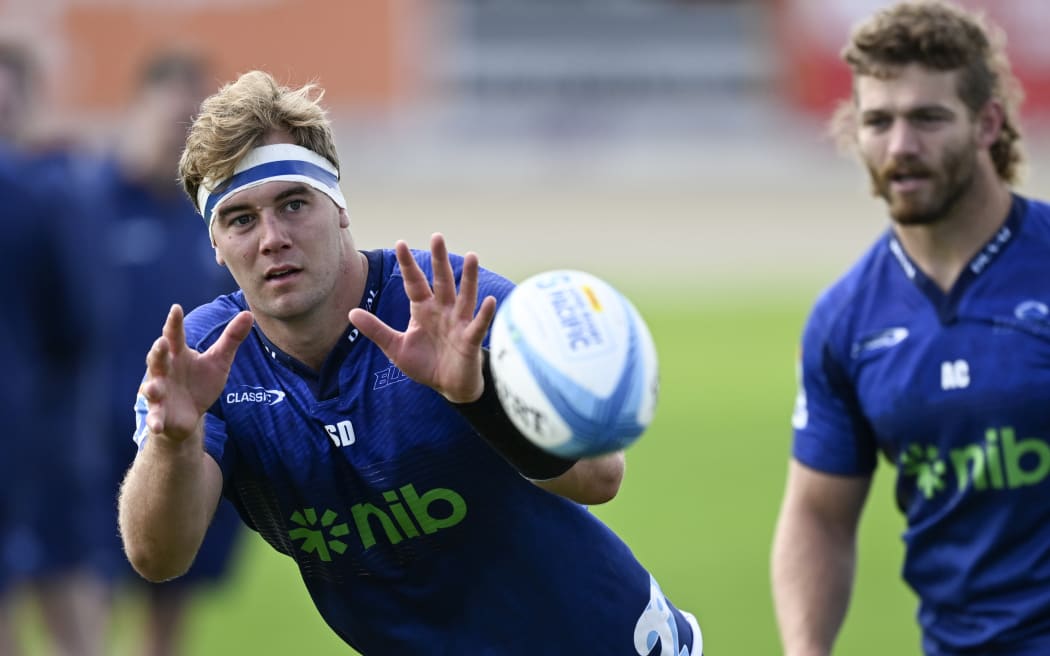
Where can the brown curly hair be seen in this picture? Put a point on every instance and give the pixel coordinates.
(941, 37)
(237, 117)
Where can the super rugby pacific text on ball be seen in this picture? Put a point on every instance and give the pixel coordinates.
(574, 364)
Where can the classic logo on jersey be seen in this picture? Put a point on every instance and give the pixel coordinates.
(251, 394)
(1001, 461)
(403, 514)
(881, 340)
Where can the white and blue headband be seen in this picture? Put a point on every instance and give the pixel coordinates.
(276, 162)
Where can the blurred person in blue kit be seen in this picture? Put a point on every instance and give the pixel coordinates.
(53, 464)
(933, 350)
(157, 256)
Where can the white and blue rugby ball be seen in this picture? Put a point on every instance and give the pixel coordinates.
(574, 364)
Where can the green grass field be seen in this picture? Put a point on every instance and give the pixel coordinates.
(698, 504)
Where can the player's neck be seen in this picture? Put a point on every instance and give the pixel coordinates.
(944, 248)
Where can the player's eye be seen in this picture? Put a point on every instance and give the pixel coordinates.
(295, 205)
(240, 220)
(929, 119)
(876, 121)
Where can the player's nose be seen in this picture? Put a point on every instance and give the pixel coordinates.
(903, 139)
(274, 233)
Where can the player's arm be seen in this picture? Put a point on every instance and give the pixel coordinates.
(590, 481)
(166, 503)
(814, 556)
(172, 489)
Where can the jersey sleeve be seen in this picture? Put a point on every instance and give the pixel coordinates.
(831, 433)
(202, 326)
(214, 433)
(215, 443)
(492, 284)
(141, 410)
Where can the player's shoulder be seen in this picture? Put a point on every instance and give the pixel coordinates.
(206, 322)
(1037, 217)
(424, 260)
(11, 168)
(22, 178)
(489, 282)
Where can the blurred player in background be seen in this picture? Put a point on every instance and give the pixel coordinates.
(17, 88)
(934, 349)
(157, 256)
(381, 461)
(53, 464)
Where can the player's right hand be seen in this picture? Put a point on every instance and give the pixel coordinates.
(441, 346)
(181, 383)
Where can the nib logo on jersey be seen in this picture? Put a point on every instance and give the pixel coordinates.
(319, 538)
(1001, 461)
(403, 514)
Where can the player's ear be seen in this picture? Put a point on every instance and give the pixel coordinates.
(344, 218)
(215, 247)
(990, 123)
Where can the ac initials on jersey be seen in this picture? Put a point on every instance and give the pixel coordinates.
(955, 374)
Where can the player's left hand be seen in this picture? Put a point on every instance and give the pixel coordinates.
(441, 347)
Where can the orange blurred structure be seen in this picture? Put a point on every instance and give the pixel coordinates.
(361, 52)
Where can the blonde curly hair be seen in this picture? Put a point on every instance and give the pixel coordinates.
(235, 119)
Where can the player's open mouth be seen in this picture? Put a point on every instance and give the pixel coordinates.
(903, 182)
(280, 274)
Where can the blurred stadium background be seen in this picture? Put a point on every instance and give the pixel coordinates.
(673, 147)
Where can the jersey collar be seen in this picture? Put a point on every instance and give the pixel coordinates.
(947, 303)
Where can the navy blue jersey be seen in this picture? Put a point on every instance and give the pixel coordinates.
(411, 533)
(954, 390)
(49, 322)
(153, 253)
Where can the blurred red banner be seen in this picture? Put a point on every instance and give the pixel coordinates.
(812, 33)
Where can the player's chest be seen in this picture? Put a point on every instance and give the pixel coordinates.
(921, 378)
(370, 413)
(936, 361)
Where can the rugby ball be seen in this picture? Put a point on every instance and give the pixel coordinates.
(574, 364)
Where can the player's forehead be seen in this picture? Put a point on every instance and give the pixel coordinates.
(905, 88)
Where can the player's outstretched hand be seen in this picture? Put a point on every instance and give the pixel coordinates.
(441, 347)
(181, 384)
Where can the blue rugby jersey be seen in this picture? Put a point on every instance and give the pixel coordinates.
(154, 254)
(150, 252)
(410, 532)
(954, 389)
(50, 320)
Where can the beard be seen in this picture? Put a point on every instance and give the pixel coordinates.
(940, 192)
